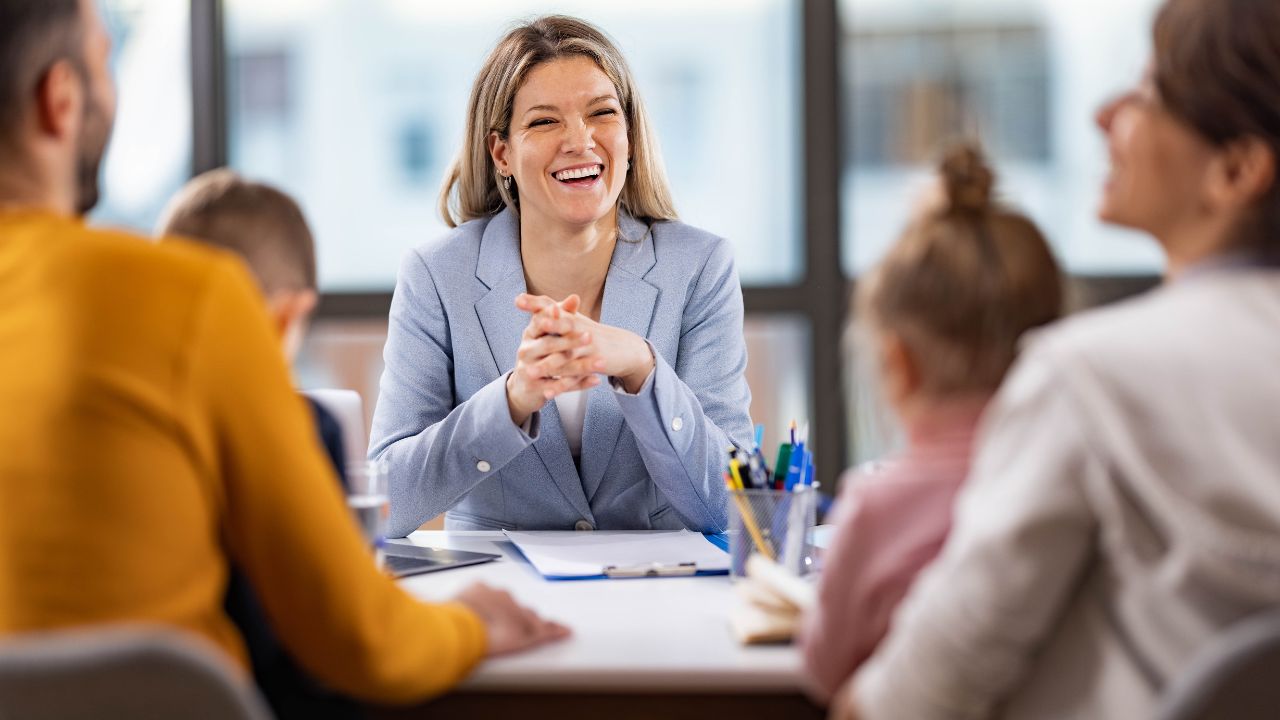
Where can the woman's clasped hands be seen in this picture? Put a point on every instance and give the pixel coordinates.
(564, 351)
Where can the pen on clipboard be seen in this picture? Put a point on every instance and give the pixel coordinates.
(650, 570)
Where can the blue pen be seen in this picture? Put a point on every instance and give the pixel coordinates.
(759, 435)
(796, 467)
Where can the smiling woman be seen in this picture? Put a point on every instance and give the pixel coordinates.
(566, 266)
(568, 154)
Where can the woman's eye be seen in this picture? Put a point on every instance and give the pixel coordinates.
(540, 122)
(606, 111)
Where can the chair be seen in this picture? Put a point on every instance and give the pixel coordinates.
(347, 407)
(135, 671)
(1235, 677)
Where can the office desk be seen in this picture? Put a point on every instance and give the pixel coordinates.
(641, 648)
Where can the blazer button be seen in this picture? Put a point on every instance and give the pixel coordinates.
(483, 466)
(677, 423)
(583, 525)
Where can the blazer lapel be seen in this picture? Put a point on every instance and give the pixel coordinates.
(501, 270)
(629, 302)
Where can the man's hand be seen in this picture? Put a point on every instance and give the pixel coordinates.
(510, 627)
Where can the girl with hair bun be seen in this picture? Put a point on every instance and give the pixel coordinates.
(943, 312)
(1123, 509)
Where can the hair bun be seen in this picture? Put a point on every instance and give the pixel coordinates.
(966, 179)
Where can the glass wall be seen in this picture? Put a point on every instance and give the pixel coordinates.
(150, 152)
(357, 107)
(1024, 76)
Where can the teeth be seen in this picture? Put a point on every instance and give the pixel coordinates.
(592, 171)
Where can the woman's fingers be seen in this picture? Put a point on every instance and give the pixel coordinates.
(550, 317)
(561, 365)
(534, 303)
(547, 323)
(573, 384)
(551, 387)
(574, 345)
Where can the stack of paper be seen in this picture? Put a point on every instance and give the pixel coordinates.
(771, 603)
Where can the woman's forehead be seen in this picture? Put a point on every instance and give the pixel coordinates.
(568, 81)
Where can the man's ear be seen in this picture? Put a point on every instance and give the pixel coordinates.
(297, 306)
(1243, 171)
(60, 101)
(291, 311)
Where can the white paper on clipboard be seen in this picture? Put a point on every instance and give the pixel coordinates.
(565, 555)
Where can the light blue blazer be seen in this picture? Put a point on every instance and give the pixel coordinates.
(652, 460)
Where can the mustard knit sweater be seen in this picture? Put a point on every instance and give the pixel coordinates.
(149, 433)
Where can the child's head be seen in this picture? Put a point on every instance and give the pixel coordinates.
(954, 294)
(265, 227)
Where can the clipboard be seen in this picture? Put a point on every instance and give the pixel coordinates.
(604, 554)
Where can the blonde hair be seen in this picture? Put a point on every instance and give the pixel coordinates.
(258, 222)
(474, 189)
(964, 282)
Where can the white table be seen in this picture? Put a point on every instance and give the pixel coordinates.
(633, 638)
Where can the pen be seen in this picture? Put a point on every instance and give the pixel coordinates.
(796, 466)
(737, 477)
(781, 465)
(759, 435)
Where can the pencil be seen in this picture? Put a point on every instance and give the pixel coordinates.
(750, 523)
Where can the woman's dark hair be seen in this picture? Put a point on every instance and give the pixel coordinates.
(1217, 68)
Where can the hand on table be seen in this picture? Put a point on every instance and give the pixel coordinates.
(509, 626)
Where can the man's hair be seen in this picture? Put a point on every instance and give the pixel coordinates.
(34, 34)
(260, 223)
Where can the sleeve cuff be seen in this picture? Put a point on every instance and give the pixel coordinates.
(495, 438)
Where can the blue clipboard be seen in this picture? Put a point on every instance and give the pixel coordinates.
(620, 570)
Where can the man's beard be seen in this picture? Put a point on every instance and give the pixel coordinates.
(92, 146)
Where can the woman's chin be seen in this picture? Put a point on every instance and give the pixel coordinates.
(1112, 213)
(582, 216)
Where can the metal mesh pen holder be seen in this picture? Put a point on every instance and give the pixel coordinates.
(774, 523)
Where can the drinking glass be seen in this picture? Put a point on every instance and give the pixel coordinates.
(367, 498)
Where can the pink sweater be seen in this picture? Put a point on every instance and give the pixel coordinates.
(890, 525)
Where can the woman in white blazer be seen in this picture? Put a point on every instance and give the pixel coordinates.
(571, 355)
(1124, 504)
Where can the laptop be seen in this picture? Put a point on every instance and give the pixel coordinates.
(405, 560)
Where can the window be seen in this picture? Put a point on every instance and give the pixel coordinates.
(1024, 76)
(358, 107)
(150, 152)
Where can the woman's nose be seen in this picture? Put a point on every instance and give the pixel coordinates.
(1106, 114)
(579, 137)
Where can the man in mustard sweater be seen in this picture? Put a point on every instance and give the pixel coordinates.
(149, 434)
